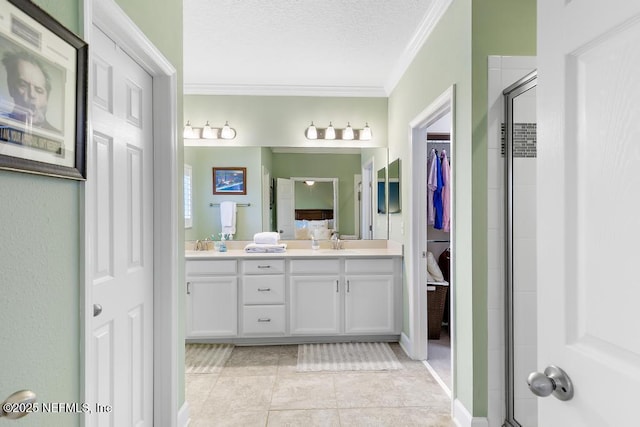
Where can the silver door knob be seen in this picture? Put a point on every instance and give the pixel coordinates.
(18, 405)
(554, 381)
(97, 309)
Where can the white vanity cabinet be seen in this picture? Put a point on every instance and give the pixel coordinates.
(294, 297)
(263, 297)
(212, 295)
(370, 297)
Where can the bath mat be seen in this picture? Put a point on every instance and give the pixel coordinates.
(206, 358)
(367, 356)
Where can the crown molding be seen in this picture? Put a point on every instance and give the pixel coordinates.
(428, 24)
(286, 90)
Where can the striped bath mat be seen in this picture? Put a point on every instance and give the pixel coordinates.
(206, 358)
(367, 356)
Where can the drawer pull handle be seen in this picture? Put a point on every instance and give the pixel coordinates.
(264, 266)
(264, 320)
(188, 288)
(337, 288)
(348, 286)
(264, 289)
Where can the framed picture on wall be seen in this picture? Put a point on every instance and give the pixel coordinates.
(230, 181)
(43, 85)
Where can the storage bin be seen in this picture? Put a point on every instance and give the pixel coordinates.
(436, 297)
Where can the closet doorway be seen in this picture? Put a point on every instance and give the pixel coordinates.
(432, 251)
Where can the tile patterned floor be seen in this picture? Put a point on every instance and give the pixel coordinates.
(259, 386)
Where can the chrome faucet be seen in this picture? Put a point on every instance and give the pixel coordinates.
(202, 245)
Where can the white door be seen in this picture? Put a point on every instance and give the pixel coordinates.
(588, 226)
(121, 361)
(285, 208)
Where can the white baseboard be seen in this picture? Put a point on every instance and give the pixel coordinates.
(463, 418)
(405, 343)
(183, 415)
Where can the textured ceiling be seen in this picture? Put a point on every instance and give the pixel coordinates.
(347, 47)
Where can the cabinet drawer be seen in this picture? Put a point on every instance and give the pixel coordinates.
(263, 289)
(368, 266)
(263, 320)
(265, 266)
(315, 266)
(209, 268)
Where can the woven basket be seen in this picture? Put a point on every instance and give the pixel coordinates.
(435, 309)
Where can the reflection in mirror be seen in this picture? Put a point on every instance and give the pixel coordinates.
(394, 187)
(315, 207)
(266, 166)
(382, 191)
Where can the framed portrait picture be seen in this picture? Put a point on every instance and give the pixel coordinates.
(43, 93)
(230, 181)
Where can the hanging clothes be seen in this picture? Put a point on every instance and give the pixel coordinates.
(446, 192)
(437, 196)
(432, 184)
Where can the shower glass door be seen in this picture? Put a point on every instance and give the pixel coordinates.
(520, 253)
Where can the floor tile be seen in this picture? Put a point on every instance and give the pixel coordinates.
(393, 417)
(304, 391)
(235, 419)
(244, 393)
(304, 417)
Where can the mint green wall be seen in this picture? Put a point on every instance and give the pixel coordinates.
(40, 257)
(206, 219)
(456, 53)
(281, 120)
(316, 196)
(500, 27)
(341, 166)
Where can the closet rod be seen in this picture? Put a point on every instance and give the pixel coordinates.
(438, 241)
(237, 204)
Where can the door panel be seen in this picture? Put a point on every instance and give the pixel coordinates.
(122, 147)
(588, 227)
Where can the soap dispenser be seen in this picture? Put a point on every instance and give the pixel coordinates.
(223, 245)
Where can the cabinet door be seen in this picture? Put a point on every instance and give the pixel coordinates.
(212, 307)
(315, 305)
(369, 304)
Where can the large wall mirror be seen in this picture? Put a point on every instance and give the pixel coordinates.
(382, 190)
(344, 184)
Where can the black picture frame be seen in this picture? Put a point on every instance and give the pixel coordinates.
(230, 180)
(43, 93)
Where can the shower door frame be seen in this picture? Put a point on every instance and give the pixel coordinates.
(510, 93)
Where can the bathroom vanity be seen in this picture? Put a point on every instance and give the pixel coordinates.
(301, 295)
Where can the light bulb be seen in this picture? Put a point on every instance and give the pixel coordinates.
(312, 132)
(348, 132)
(365, 134)
(207, 132)
(227, 131)
(188, 131)
(330, 132)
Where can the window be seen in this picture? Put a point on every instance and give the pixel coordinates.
(188, 196)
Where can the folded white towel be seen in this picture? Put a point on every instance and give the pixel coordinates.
(260, 248)
(228, 217)
(266, 238)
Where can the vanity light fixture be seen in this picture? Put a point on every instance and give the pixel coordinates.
(347, 133)
(331, 133)
(309, 182)
(208, 132)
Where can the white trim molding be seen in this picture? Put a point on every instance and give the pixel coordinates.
(183, 415)
(423, 32)
(285, 90)
(110, 18)
(462, 417)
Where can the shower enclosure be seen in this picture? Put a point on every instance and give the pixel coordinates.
(520, 250)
